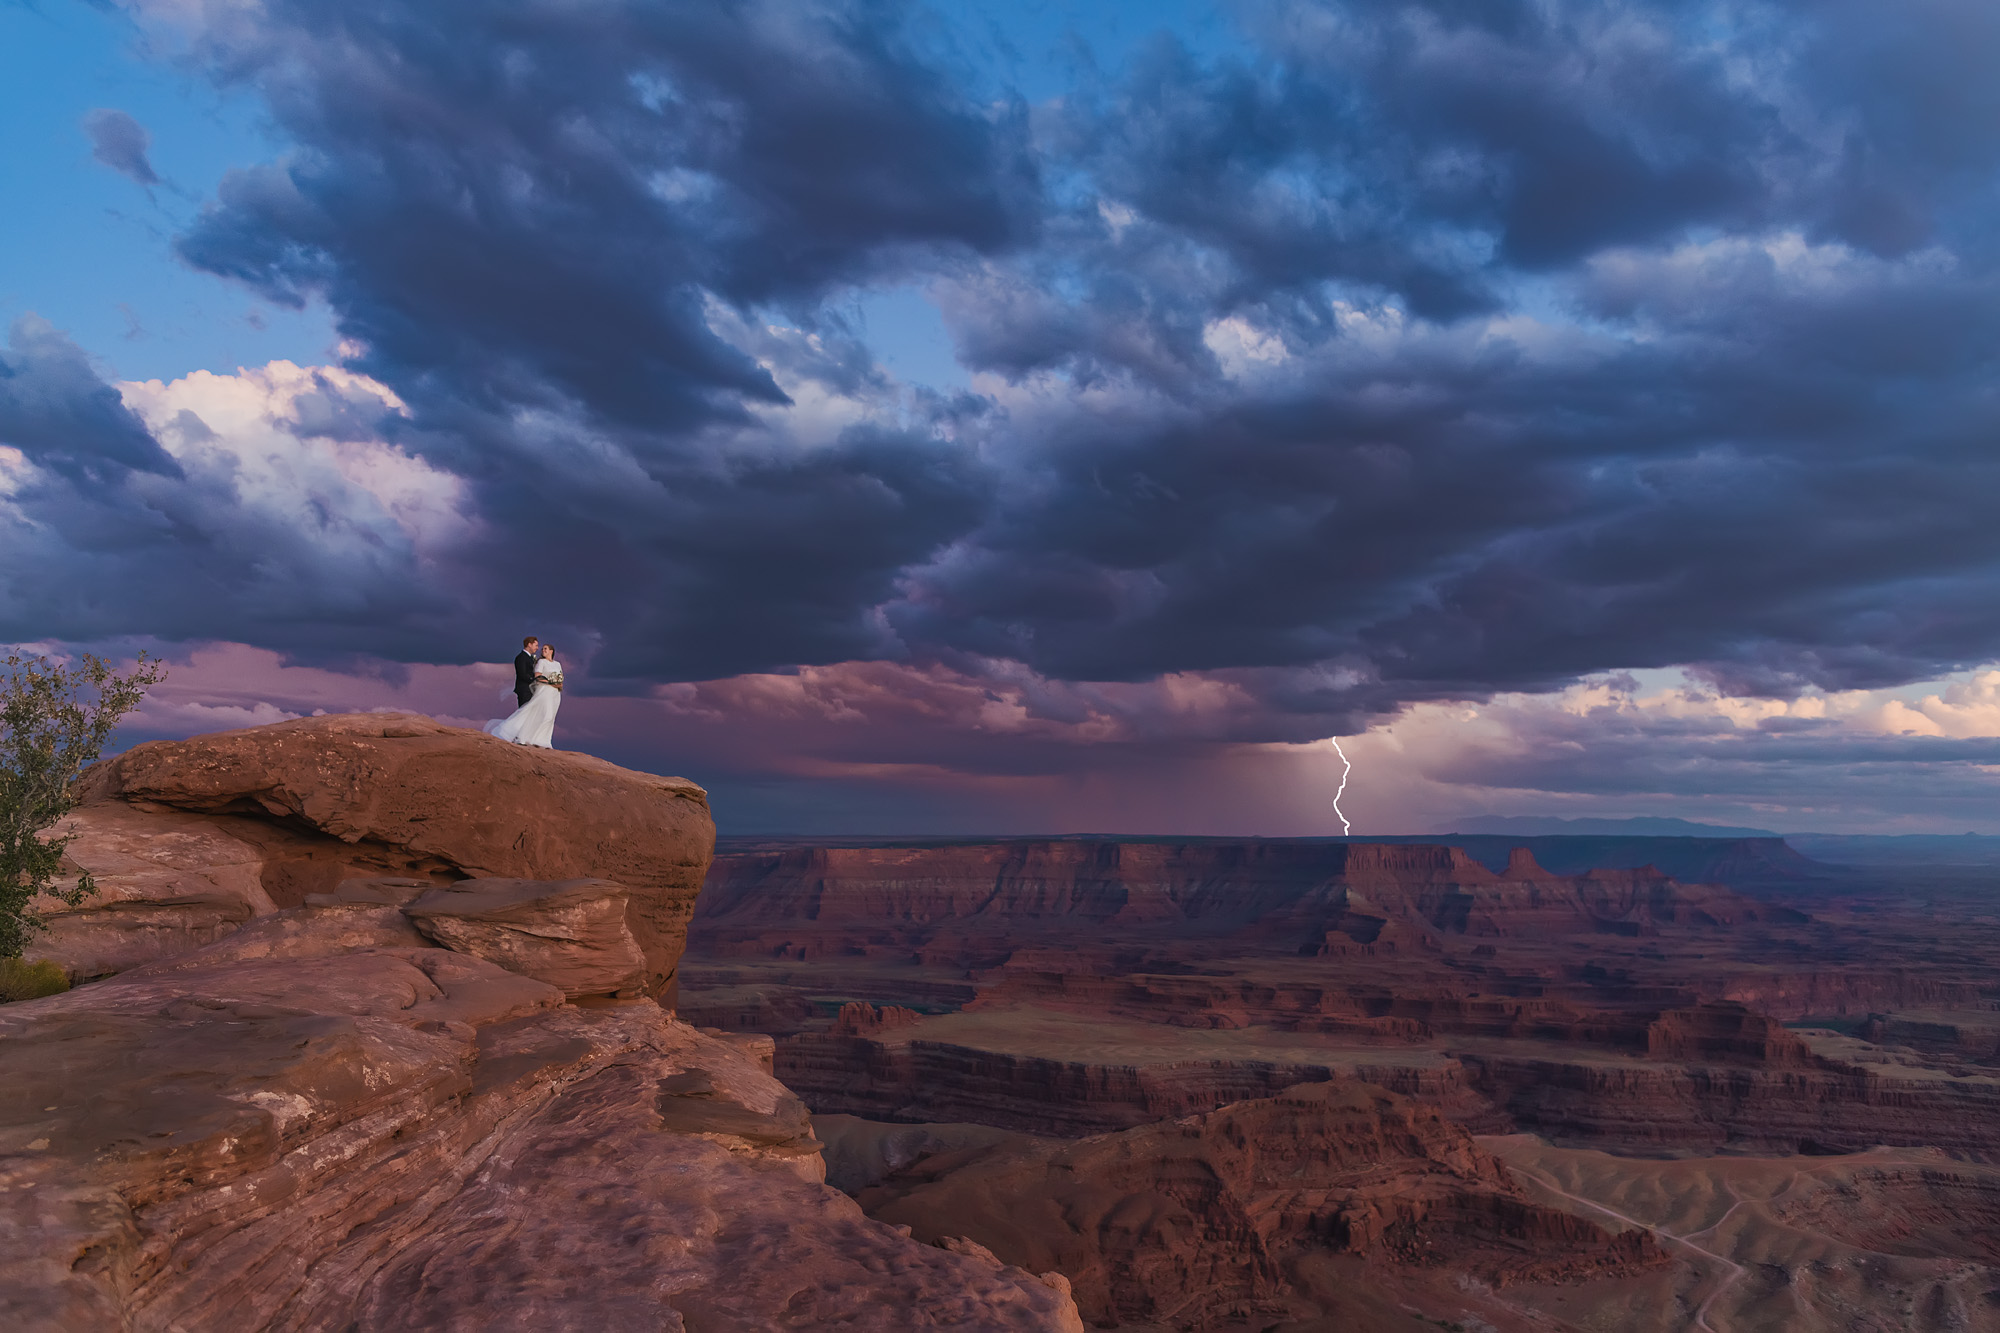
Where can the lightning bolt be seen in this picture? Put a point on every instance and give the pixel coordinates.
(1346, 768)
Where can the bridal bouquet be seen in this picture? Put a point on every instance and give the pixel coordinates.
(554, 678)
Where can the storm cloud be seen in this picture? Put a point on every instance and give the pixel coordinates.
(1408, 351)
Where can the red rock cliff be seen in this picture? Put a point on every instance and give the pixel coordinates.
(299, 806)
(395, 1093)
(1292, 890)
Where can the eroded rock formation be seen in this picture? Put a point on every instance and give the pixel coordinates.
(358, 1063)
(1080, 1026)
(317, 1124)
(1072, 987)
(190, 838)
(1198, 1220)
(574, 934)
(1895, 1240)
(945, 901)
(393, 1093)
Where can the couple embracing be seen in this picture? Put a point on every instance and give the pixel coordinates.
(538, 682)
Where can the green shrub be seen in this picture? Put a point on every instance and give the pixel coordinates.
(30, 981)
(55, 719)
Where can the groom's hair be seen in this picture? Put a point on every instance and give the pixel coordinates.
(530, 641)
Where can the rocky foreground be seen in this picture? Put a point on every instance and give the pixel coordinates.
(374, 1042)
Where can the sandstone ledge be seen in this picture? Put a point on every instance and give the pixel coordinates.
(188, 839)
(571, 934)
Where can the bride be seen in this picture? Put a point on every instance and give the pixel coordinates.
(534, 722)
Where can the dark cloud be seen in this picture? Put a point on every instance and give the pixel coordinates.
(1911, 118)
(535, 221)
(118, 526)
(1423, 350)
(1718, 421)
(769, 562)
(57, 412)
(120, 142)
(529, 206)
(1780, 478)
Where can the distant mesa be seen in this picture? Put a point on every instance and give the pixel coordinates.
(1971, 851)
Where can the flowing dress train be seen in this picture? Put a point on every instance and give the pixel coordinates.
(534, 722)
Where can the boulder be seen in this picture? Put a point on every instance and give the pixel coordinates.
(313, 1124)
(571, 934)
(273, 815)
(167, 882)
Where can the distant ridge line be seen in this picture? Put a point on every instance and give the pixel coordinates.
(1639, 826)
(1732, 861)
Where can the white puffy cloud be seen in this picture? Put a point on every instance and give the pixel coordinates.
(300, 446)
(274, 503)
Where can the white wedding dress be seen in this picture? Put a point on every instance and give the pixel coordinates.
(534, 722)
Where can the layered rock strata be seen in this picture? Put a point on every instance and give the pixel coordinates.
(1295, 892)
(1203, 1219)
(897, 1075)
(1617, 1007)
(1894, 1240)
(320, 1124)
(574, 934)
(1851, 1101)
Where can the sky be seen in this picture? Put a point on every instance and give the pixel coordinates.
(1036, 417)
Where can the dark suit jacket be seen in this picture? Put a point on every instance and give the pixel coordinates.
(524, 676)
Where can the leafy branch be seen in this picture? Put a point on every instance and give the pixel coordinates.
(55, 720)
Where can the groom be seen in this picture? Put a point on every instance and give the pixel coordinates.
(524, 669)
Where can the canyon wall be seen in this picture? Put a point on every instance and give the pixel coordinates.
(1613, 1006)
(1285, 889)
(1229, 1084)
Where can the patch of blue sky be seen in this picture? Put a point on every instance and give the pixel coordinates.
(90, 250)
(1561, 301)
(1039, 50)
(907, 333)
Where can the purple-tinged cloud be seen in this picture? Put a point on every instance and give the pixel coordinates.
(60, 416)
(1433, 350)
(240, 501)
(989, 747)
(121, 143)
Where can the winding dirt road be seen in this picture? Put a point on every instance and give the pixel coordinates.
(1731, 1269)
